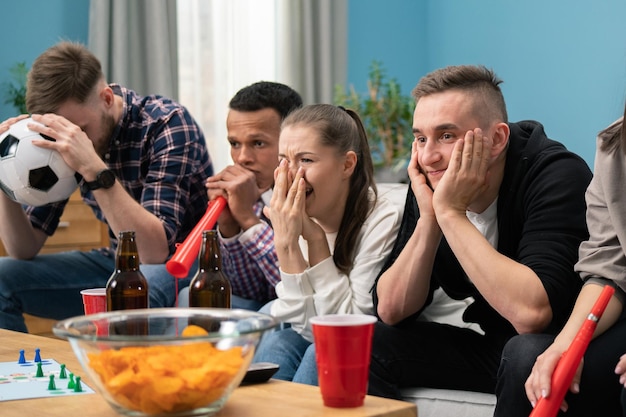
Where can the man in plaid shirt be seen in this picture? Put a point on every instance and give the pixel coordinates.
(247, 239)
(144, 164)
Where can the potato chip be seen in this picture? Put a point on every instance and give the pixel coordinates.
(158, 379)
(193, 330)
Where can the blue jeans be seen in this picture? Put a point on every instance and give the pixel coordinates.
(235, 301)
(49, 285)
(294, 354)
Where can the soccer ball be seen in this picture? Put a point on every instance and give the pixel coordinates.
(30, 174)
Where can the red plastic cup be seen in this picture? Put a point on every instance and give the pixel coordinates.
(343, 344)
(94, 300)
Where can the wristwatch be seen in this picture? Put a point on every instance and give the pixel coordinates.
(104, 179)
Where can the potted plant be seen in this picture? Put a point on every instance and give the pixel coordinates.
(15, 90)
(387, 116)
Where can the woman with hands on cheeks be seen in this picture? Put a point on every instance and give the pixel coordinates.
(595, 389)
(331, 231)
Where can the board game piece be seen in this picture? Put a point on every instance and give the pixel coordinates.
(39, 372)
(51, 384)
(19, 381)
(37, 355)
(70, 383)
(77, 385)
(62, 372)
(22, 358)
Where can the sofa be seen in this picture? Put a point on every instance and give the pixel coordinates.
(441, 402)
(450, 403)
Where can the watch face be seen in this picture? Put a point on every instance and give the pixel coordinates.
(106, 178)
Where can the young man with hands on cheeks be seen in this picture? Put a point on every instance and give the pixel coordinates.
(144, 163)
(246, 237)
(495, 211)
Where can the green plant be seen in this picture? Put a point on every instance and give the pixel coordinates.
(15, 90)
(387, 116)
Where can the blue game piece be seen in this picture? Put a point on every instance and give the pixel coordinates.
(22, 359)
(39, 372)
(62, 373)
(37, 355)
(77, 386)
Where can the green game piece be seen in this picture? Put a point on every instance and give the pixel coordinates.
(62, 374)
(78, 387)
(71, 383)
(39, 373)
(51, 384)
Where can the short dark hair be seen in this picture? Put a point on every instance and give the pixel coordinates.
(266, 94)
(482, 82)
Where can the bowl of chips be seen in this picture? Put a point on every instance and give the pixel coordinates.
(166, 361)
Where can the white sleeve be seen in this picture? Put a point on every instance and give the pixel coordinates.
(323, 289)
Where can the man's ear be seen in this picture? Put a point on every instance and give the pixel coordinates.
(500, 139)
(107, 96)
(349, 163)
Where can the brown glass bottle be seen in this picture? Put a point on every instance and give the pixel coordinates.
(127, 287)
(210, 287)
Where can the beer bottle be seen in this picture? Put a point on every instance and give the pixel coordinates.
(127, 287)
(210, 287)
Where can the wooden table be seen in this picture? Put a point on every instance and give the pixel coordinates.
(274, 398)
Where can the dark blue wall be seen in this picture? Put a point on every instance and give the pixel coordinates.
(31, 26)
(563, 62)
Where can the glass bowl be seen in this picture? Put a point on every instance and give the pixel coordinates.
(166, 361)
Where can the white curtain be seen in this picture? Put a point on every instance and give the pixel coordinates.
(201, 52)
(226, 45)
(312, 47)
(223, 46)
(136, 43)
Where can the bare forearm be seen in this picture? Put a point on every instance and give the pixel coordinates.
(290, 258)
(318, 250)
(584, 303)
(403, 288)
(122, 212)
(512, 289)
(20, 239)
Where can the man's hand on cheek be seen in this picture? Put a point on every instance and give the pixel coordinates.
(466, 175)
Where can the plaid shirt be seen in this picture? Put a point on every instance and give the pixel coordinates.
(251, 264)
(158, 154)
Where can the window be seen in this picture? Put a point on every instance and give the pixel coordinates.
(222, 47)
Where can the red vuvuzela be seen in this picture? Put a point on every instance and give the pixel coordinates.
(567, 365)
(187, 252)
